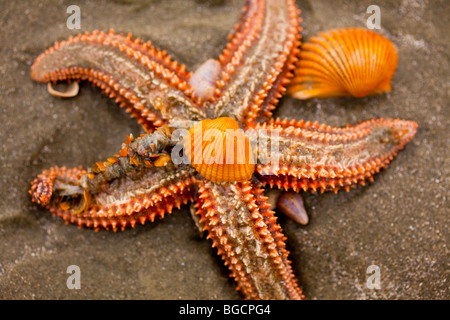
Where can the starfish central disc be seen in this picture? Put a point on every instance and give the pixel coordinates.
(219, 150)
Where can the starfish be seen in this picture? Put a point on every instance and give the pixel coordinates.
(142, 182)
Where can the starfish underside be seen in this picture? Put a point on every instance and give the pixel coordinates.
(139, 184)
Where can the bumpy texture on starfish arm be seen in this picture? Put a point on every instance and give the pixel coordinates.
(258, 61)
(312, 156)
(136, 154)
(245, 232)
(138, 197)
(144, 80)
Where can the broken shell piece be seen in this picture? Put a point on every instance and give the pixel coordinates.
(291, 204)
(71, 92)
(162, 160)
(203, 81)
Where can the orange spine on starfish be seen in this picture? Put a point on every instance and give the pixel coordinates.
(42, 187)
(348, 62)
(245, 232)
(135, 69)
(121, 204)
(261, 29)
(219, 150)
(308, 156)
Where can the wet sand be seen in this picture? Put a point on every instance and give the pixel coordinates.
(399, 222)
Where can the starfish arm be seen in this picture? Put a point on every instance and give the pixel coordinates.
(304, 155)
(244, 231)
(258, 61)
(149, 150)
(144, 80)
(143, 196)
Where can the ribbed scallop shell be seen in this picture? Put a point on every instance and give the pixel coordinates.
(347, 62)
(219, 150)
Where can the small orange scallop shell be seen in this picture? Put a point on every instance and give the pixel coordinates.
(347, 62)
(219, 150)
